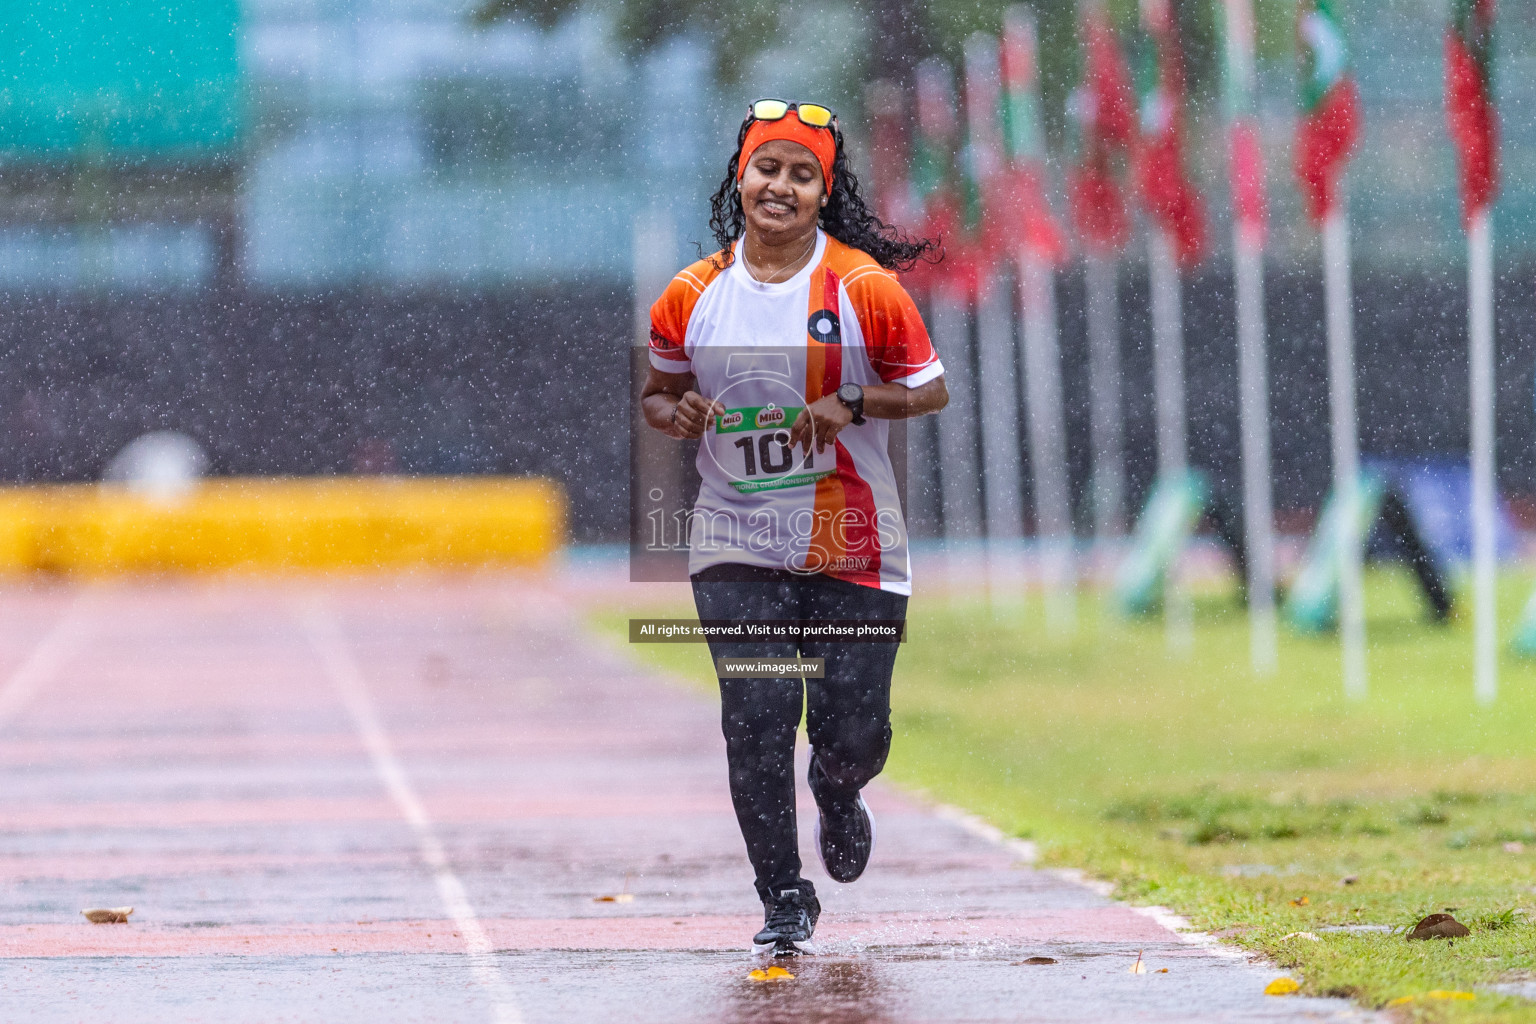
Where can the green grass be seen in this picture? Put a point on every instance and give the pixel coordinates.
(1244, 802)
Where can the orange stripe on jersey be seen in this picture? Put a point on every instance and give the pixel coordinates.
(844, 540)
(671, 312)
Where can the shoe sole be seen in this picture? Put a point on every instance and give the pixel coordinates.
(785, 948)
(821, 856)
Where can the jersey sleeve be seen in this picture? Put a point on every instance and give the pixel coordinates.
(894, 334)
(669, 321)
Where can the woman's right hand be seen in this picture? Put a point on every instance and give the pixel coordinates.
(693, 414)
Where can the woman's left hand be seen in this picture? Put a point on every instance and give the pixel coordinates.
(822, 421)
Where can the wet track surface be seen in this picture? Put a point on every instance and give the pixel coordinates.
(398, 800)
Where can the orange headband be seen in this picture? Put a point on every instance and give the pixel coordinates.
(790, 128)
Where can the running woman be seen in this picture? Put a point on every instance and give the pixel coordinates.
(786, 355)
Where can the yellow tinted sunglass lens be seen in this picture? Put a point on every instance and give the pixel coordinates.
(814, 114)
(769, 110)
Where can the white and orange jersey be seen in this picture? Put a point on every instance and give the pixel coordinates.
(765, 352)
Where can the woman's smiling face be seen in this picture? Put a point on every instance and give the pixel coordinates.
(781, 191)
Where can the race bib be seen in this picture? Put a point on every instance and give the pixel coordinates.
(752, 446)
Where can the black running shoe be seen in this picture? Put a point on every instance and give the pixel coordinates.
(789, 920)
(845, 830)
(845, 837)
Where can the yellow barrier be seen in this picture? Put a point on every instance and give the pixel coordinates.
(282, 524)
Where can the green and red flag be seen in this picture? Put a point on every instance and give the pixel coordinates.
(1022, 210)
(1244, 154)
(1167, 195)
(1469, 108)
(932, 169)
(1103, 108)
(1330, 107)
(934, 181)
(982, 163)
(889, 157)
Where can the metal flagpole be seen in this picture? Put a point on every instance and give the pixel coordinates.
(959, 485)
(1047, 435)
(656, 461)
(1168, 390)
(1252, 369)
(1258, 500)
(1485, 628)
(999, 429)
(1106, 422)
(1346, 446)
(996, 385)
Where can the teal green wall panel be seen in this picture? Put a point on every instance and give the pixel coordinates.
(119, 78)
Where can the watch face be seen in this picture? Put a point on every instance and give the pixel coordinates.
(850, 392)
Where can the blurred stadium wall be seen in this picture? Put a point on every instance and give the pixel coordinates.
(359, 236)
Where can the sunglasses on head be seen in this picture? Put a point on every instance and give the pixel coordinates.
(813, 114)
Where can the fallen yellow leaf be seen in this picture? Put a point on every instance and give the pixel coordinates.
(1281, 987)
(1438, 993)
(771, 974)
(1300, 901)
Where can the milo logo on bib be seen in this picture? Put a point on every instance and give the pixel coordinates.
(756, 417)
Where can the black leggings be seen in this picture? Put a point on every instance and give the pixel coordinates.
(848, 712)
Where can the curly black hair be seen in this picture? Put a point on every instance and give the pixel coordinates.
(846, 217)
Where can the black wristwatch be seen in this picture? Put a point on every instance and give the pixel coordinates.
(852, 395)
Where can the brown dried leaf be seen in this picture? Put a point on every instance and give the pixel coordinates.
(1439, 926)
(107, 915)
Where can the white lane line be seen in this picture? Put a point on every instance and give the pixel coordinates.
(1187, 934)
(43, 662)
(1028, 853)
(1024, 849)
(344, 674)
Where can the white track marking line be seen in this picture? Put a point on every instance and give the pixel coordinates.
(1181, 927)
(344, 674)
(43, 662)
(1027, 853)
(1024, 849)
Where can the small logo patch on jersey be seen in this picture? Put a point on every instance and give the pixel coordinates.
(824, 327)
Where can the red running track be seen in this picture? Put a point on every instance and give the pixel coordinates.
(397, 799)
